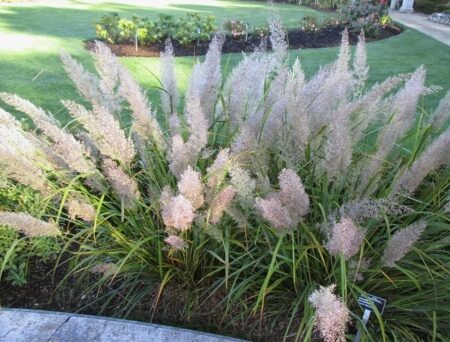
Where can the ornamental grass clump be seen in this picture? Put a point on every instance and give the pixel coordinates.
(263, 185)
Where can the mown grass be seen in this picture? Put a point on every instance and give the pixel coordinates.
(32, 34)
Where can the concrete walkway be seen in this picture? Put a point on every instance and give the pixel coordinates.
(420, 22)
(45, 326)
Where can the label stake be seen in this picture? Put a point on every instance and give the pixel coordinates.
(368, 303)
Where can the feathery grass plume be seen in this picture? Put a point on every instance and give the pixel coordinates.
(191, 187)
(89, 145)
(105, 131)
(275, 104)
(368, 106)
(8, 120)
(21, 159)
(317, 96)
(28, 225)
(78, 207)
(342, 84)
(14, 139)
(441, 115)
(166, 196)
(360, 67)
(242, 182)
(346, 238)
(434, 156)
(220, 203)
(206, 78)
(87, 84)
(217, 171)
(169, 95)
(401, 242)
(145, 124)
(184, 154)
(66, 147)
(403, 108)
(292, 194)
(125, 186)
(275, 212)
(245, 86)
(331, 316)
(108, 67)
(175, 242)
(338, 146)
(296, 114)
(22, 170)
(178, 213)
(344, 51)
(368, 208)
(179, 156)
(330, 89)
(277, 36)
(198, 126)
(107, 269)
(174, 125)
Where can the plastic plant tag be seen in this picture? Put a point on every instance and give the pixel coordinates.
(368, 302)
(378, 302)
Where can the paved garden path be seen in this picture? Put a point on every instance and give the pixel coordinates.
(45, 326)
(420, 22)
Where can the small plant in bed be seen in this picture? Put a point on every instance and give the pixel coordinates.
(275, 198)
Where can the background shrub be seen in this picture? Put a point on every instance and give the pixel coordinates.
(431, 6)
(191, 28)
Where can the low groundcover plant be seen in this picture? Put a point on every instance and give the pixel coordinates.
(284, 197)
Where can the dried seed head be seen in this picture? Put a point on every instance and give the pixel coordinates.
(221, 203)
(178, 214)
(346, 239)
(273, 211)
(401, 242)
(78, 207)
(191, 187)
(175, 242)
(123, 185)
(292, 194)
(332, 316)
(169, 96)
(28, 225)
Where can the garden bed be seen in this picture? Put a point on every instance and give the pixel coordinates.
(47, 288)
(297, 39)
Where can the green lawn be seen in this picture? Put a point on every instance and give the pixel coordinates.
(33, 33)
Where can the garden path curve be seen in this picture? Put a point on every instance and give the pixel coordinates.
(18, 325)
(420, 22)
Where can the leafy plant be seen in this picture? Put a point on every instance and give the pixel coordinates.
(15, 253)
(385, 20)
(107, 28)
(186, 30)
(236, 28)
(266, 186)
(194, 28)
(260, 31)
(364, 11)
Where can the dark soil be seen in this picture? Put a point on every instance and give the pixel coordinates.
(326, 37)
(47, 289)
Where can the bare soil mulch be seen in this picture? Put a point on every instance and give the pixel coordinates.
(297, 39)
